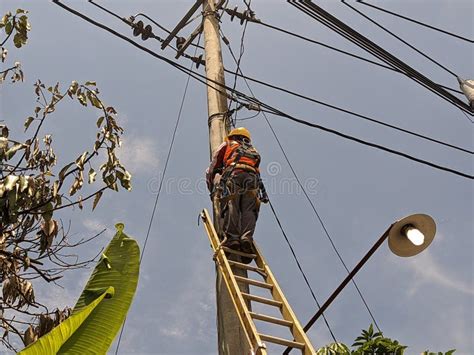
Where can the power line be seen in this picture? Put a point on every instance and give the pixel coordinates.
(201, 78)
(364, 117)
(130, 21)
(300, 268)
(416, 21)
(307, 39)
(367, 143)
(241, 53)
(307, 198)
(401, 39)
(322, 16)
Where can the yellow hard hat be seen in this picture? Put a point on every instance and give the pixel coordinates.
(240, 131)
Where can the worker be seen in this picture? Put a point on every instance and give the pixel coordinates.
(234, 175)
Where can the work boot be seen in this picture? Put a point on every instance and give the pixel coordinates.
(232, 243)
(246, 243)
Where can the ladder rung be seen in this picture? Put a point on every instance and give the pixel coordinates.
(262, 300)
(281, 341)
(237, 252)
(247, 267)
(254, 282)
(273, 320)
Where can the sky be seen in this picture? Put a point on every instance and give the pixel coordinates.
(425, 301)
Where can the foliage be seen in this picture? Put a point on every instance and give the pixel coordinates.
(95, 321)
(33, 242)
(334, 349)
(449, 352)
(371, 343)
(18, 26)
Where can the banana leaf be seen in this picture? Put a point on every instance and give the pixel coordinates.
(102, 306)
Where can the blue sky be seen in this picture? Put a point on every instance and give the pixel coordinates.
(425, 301)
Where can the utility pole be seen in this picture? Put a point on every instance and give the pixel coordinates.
(231, 339)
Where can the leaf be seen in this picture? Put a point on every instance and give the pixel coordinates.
(63, 171)
(99, 121)
(92, 175)
(102, 306)
(96, 199)
(80, 161)
(90, 83)
(28, 122)
(10, 182)
(51, 342)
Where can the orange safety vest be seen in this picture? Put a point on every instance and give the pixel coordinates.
(242, 155)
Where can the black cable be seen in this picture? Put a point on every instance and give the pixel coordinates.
(108, 11)
(138, 15)
(322, 16)
(236, 73)
(351, 112)
(400, 39)
(370, 144)
(202, 79)
(170, 149)
(416, 21)
(341, 51)
(308, 198)
(241, 53)
(300, 268)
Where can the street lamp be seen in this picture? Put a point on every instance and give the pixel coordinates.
(406, 237)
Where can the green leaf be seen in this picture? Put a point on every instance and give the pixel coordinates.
(51, 342)
(90, 83)
(96, 320)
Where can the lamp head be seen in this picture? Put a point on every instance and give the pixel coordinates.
(411, 235)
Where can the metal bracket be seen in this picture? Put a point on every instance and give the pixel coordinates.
(181, 23)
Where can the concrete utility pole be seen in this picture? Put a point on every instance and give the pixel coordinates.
(231, 339)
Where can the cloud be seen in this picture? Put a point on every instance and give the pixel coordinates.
(193, 311)
(93, 224)
(139, 154)
(428, 270)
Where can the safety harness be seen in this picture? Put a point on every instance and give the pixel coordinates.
(244, 150)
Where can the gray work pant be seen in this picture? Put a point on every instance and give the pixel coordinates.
(241, 209)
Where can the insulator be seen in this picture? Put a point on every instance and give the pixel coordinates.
(138, 28)
(147, 32)
(179, 42)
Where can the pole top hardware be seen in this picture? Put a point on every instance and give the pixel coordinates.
(247, 15)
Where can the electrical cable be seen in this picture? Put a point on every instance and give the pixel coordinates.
(170, 149)
(416, 21)
(241, 53)
(201, 78)
(400, 39)
(367, 143)
(138, 15)
(300, 268)
(364, 117)
(322, 16)
(341, 51)
(308, 199)
(298, 95)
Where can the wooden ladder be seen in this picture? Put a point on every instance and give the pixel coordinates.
(241, 299)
